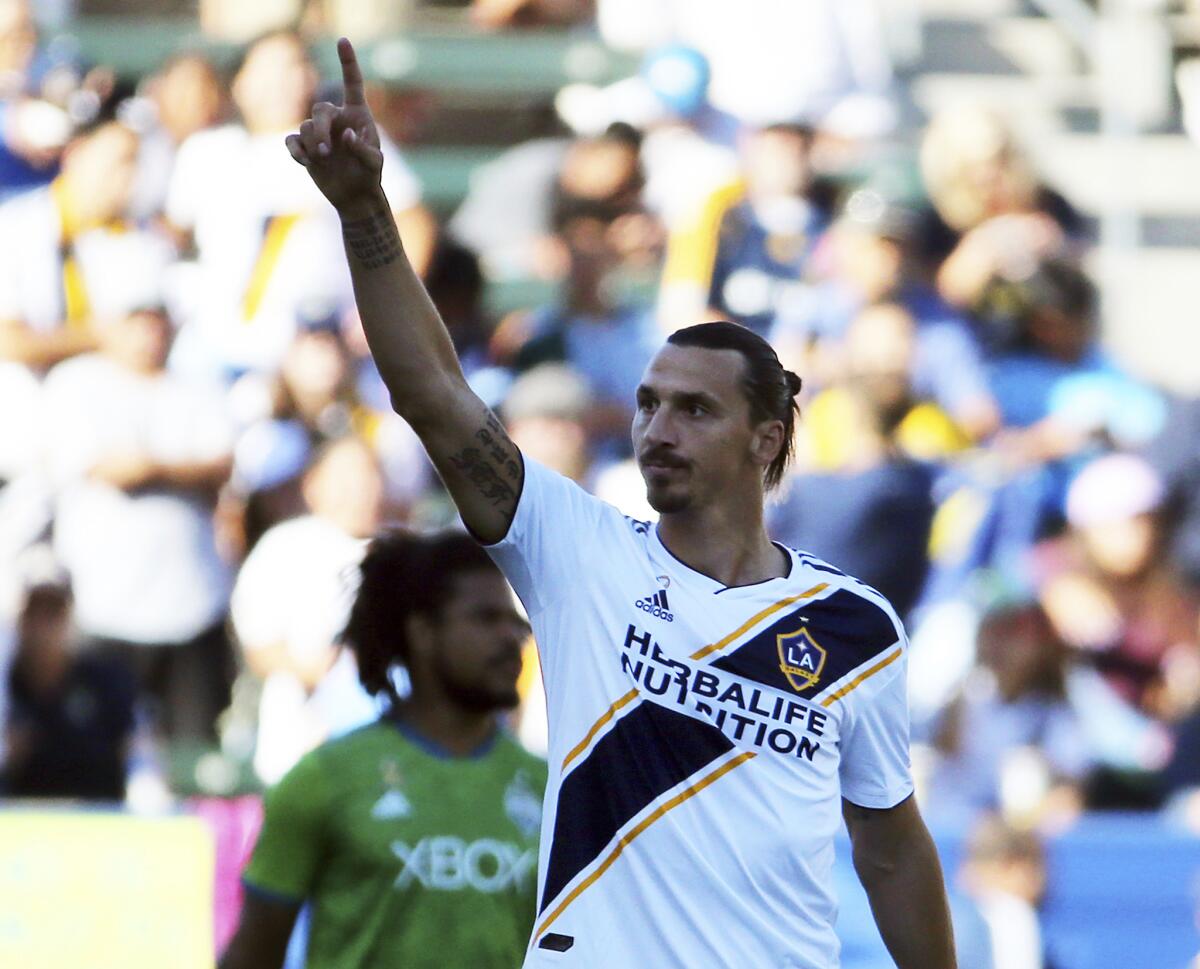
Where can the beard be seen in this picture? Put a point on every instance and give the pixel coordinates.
(478, 694)
(665, 493)
(666, 502)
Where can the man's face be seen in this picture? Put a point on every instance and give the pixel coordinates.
(274, 89)
(692, 434)
(777, 164)
(141, 341)
(346, 487)
(872, 264)
(18, 36)
(477, 640)
(880, 346)
(188, 96)
(101, 170)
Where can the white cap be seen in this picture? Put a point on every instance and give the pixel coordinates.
(1113, 488)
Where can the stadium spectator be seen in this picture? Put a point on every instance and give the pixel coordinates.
(1005, 873)
(515, 14)
(73, 710)
(183, 97)
(688, 147)
(33, 132)
(603, 328)
(815, 54)
(1011, 740)
(138, 455)
(456, 282)
(870, 514)
(876, 255)
(876, 360)
(414, 838)
(1058, 392)
(264, 246)
(1110, 592)
(21, 442)
(985, 190)
(1174, 455)
(290, 602)
(325, 390)
(68, 252)
(745, 255)
(546, 415)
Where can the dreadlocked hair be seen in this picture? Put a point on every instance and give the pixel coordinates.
(403, 574)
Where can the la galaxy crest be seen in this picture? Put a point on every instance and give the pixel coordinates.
(801, 658)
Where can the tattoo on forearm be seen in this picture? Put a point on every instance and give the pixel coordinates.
(492, 468)
(374, 240)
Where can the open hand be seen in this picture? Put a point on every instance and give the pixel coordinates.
(339, 145)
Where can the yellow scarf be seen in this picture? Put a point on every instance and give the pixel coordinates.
(77, 307)
(275, 235)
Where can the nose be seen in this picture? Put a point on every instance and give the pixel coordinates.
(514, 632)
(660, 429)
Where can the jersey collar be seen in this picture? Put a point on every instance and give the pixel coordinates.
(707, 583)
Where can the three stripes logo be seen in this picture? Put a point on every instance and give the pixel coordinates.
(657, 606)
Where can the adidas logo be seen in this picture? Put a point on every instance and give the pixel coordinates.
(657, 606)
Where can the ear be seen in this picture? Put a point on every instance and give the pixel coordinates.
(767, 442)
(418, 631)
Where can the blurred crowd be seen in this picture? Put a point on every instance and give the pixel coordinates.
(196, 444)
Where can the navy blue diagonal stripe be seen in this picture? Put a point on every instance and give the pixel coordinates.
(851, 629)
(648, 752)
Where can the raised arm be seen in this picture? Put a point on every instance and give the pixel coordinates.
(481, 467)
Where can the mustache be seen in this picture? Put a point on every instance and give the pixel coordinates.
(665, 458)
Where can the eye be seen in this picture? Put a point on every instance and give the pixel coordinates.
(696, 410)
(647, 404)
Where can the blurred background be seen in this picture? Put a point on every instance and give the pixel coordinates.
(970, 225)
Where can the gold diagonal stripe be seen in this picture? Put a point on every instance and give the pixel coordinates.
(640, 827)
(886, 661)
(279, 227)
(757, 618)
(608, 714)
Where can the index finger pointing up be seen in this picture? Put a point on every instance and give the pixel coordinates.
(352, 79)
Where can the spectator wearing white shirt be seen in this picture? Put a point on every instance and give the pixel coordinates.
(1005, 873)
(66, 252)
(292, 599)
(265, 244)
(184, 96)
(772, 60)
(138, 455)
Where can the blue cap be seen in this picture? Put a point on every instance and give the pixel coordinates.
(679, 77)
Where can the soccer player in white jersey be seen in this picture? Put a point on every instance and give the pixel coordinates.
(716, 701)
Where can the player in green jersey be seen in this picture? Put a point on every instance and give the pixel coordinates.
(414, 838)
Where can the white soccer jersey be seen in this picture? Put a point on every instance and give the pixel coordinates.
(701, 737)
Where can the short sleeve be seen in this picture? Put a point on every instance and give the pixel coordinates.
(552, 537)
(291, 845)
(875, 768)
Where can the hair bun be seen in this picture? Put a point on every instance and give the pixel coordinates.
(794, 382)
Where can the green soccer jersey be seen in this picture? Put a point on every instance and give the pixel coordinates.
(409, 859)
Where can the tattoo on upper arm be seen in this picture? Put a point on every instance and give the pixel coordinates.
(493, 467)
(374, 241)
